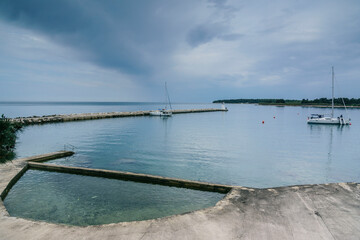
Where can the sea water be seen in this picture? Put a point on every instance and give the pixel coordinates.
(83, 200)
(250, 145)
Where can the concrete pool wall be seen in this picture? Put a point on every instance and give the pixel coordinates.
(321, 211)
(20, 166)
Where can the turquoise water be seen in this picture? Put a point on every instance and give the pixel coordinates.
(82, 200)
(231, 147)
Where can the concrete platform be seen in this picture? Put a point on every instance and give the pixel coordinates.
(325, 211)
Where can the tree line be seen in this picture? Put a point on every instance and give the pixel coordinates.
(337, 101)
(317, 101)
(255, 101)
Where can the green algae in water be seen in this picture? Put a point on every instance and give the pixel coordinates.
(83, 200)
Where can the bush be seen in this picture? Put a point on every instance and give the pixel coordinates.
(7, 138)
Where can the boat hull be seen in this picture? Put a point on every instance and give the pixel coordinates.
(329, 121)
(161, 113)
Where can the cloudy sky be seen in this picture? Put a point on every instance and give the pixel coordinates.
(96, 50)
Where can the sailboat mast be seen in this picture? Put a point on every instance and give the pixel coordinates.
(167, 97)
(332, 100)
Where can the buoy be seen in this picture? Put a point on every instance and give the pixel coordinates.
(274, 117)
(349, 123)
(263, 122)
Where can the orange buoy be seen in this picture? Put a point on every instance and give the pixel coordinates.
(274, 117)
(263, 122)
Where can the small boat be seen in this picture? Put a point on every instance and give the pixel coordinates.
(322, 119)
(161, 112)
(164, 112)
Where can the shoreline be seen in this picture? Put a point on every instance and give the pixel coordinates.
(294, 105)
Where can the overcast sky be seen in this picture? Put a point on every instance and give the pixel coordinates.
(88, 50)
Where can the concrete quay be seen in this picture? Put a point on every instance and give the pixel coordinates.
(321, 211)
(93, 116)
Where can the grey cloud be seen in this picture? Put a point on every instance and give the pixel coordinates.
(231, 36)
(204, 33)
(209, 31)
(224, 6)
(150, 38)
(118, 34)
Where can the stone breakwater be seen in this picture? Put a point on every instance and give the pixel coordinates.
(92, 116)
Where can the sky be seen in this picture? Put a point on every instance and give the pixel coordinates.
(125, 50)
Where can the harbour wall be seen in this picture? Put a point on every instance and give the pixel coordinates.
(135, 177)
(92, 116)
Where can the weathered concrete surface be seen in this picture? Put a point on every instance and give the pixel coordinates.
(92, 116)
(8, 171)
(136, 177)
(303, 212)
(326, 211)
(46, 156)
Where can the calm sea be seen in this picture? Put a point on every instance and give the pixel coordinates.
(232, 147)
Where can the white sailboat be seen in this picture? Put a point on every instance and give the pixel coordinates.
(322, 119)
(165, 112)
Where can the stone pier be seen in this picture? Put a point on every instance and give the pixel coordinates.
(93, 116)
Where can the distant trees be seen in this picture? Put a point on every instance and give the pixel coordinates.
(7, 138)
(259, 101)
(317, 101)
(337, 101)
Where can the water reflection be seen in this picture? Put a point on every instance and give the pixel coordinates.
(228, 148)
(328, 132)
(329, 160)
(326, 128)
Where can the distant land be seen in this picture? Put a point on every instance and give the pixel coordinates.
(352, 102)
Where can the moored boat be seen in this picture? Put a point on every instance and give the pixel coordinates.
(161, 112)
(323, 119)
(165, 112)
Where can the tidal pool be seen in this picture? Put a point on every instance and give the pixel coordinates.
(83, 200)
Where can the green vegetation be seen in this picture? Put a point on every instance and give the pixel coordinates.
(260, 101)
(7, 138)
(337, 101)
(305, 102)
